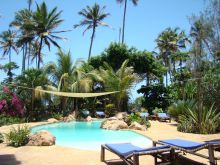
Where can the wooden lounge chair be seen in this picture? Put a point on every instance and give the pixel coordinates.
(163, 117)
(130, 153)
(192, 147)
(100, 114)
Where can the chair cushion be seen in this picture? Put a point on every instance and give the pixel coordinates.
(162, 115)
(144, 114)
(185, 144)
(125, 149)
(100, 113)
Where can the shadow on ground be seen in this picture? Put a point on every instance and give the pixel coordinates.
(8, 159)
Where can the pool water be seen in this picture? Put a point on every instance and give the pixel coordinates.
(89, 135)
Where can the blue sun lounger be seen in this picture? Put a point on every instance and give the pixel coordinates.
(163, 117)
(144, 114)
(192, 147)
(100, 114)
(130, 153)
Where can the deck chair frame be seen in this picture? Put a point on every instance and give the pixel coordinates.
(133, 159)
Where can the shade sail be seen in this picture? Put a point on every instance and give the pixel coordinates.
(78, 95)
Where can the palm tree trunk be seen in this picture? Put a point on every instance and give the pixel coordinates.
(123, 28)
(39, 52)
(91, 43)
(29, 54)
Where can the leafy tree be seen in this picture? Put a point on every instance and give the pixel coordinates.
(7, 68)
(92, 18)
(155, 95)
(135, 2)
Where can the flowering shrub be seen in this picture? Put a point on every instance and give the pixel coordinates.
(10, 104)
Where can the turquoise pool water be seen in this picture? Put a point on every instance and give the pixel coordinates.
(89, 135)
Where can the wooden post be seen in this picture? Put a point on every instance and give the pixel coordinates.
(102, 154)
(136, 159)
(211, 155)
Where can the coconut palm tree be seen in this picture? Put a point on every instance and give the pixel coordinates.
(92, 18)
(122, 80)
(7, 43)
(45, 22)
(135, 2)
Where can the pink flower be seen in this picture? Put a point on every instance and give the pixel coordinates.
(3, 104)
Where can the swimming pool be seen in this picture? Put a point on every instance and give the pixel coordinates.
(89, 135)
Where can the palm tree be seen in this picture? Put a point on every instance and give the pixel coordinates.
(29, 4)
(44, 24)
(7, 43)
(122, 80)
(23, 21)
(135, 2)
(92, 18)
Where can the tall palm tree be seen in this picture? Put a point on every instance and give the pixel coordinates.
(122, 80)
(135, 2)
(44, 24)
(92, 18)
(29, 4)
(7, 43)
(23, 21)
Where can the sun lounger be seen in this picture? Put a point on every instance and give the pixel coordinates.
(130, 153)
(192, 147)
(144, 114)
(85, 113)
(163, 117)
(100, 114)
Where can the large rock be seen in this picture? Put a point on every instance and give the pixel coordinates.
(137, 126)
(89, 118)
(69, 118)
(52, 120)
(121, 115)
(114, 124)
(41, 138)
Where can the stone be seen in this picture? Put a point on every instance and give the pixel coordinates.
(114, 124)
(112, 118)
(52, 120)
(69, 118)
(121, 115)
(89, 118)
(136, 126)
(41, 138)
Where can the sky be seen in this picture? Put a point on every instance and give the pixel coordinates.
(144, 22)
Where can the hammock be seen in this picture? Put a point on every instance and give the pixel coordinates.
(78, 95)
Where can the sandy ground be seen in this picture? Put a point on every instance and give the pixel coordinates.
(57, 155)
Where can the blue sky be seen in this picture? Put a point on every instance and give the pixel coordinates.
(144, 23)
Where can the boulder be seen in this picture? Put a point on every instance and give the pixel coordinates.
(69, 118)
(52, 120)
(137, 126)
(41, 138)
(114, 124)
(89, 118)
(112, 118)
(121, 115)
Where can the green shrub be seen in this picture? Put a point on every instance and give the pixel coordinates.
(18, 137)
(135, 117)
(204, 121)
(157, 110)
(177, 109)
(110, 110)
(1, 138)
(7, 120)
(57, 116)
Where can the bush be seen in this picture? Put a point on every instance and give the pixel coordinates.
(18, 137)
(157, 110)
(135, 117)
(57, 116)
(177, 109)
(204, 121)
(1, 138)
(110, 110)
(7, 120)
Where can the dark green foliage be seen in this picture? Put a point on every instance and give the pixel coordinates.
(1, 138)
(157, 110)
(135, 117)
(195, 120)
(155, 96)
(57, 116)
(8, 120)
(110, 110)
(178, 108)
(18, 136)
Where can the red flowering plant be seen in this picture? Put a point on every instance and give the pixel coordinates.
(10, 104)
